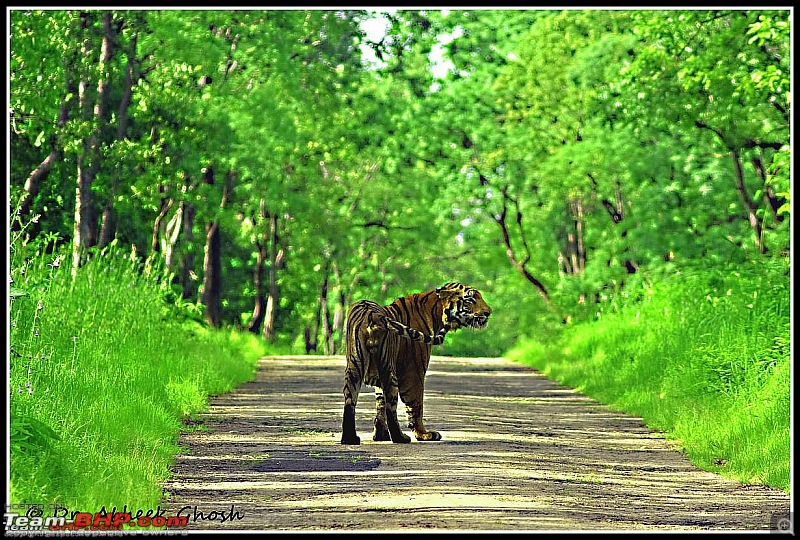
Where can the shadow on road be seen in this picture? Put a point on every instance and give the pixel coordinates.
(519, 452)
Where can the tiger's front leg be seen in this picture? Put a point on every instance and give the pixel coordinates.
(414, 412)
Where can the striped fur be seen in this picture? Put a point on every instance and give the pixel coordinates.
(384, 321)
(389, 347)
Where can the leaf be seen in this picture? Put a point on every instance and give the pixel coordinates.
(39, 139)
(13, 292)
(43, 429)
(28, 432)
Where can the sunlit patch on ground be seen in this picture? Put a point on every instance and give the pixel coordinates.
(519, 452)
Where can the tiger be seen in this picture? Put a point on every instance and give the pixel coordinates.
(389, 347)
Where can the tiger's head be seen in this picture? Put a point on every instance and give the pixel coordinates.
(464, 306)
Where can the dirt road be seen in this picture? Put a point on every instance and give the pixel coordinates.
(519, 452)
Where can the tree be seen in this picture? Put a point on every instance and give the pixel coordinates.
(553, 159)
(707, 58)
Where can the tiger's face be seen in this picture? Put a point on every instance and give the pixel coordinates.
(464, 307)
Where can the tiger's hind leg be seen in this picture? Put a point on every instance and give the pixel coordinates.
(381, 432)
(388, 381)
(353, 378)
(395, 432)
(414, 412)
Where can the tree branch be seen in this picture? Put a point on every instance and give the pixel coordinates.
(382, 225)
(516, 263)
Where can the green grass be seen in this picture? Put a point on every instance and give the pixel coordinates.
(102, 375)
(704, 357)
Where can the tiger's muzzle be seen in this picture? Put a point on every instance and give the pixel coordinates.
(480, 319)
(478, 322)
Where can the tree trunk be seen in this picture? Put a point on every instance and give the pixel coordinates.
(325, 316)
(212, 279)
(108, 227)
(172, 232)
(575, 261)
(83, 217)
(339, 311)
(42, 171)
(580, 252)
(311, 344)
(158, 223)
(770, 198)
(259, 309)
(31, 188)
(741, 189)
(187, 260)
(212, 265)
(88, 160)
(747, 202)
(312, 336)
(519, 264)
(273, 294)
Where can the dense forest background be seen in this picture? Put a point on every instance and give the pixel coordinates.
(277, 165)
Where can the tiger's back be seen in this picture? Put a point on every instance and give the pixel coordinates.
(368, 342)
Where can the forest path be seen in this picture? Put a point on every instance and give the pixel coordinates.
(519, 452)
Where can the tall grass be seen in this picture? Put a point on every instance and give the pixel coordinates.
(102, 373)
(705, 357)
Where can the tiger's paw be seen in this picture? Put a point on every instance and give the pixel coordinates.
(351, 439)
(381, 432)
(401, 438)
(428, 436)
(398, 436)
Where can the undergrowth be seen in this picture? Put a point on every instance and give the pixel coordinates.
(102, 374)
(705, 357)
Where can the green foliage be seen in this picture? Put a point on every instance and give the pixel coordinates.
(27, 433)
(97, 359)
(703, 356)
(619, 122)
